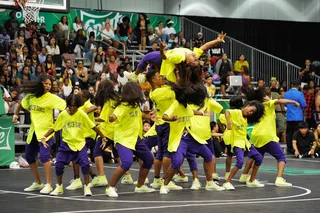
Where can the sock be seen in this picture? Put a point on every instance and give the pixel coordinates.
(76, 177)
(157, 177)
(93, 175)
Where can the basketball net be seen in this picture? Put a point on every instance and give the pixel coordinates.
(30, 9)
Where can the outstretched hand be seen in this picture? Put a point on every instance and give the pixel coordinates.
(221, 36)
(162, 45)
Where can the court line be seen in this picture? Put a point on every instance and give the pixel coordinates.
(192, 205)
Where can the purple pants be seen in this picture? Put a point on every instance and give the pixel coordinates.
(98, 151)
(188, 144)
(32, 150)
(142, 152)
(151, 141)
(153, 58)
(210, 146)
(66, 155)
(89, 142)
(274, 149)
(253, 153)
(163, 132)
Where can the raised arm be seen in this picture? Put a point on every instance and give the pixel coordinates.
(213, 43)
(287, 101)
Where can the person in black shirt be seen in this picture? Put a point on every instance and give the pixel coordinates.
(12, 25)
(123, 31)
(303, 141)
(307, 73)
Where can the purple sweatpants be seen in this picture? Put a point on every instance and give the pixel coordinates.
(98, 151)
(153, 58)
(151, 141)
(89, 142)
(163, 132)
(32, 150)
(66, 155)
(253, 153)
(142, 152)
(274, 149)
(210, 146)
(188, 144)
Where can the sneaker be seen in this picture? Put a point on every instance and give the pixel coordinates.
(254, 183)
(127, 179)
(215, 177)
(281, 182)
(146, 181)
(87, 190)
(212, 186)
(223, 155)
(157, 182)
(47, 189)
(300, 156)
(58, 190)
(131, 76)
(244, 178)
(226, 175)
(143, 189)
(173, 186)
(316, 154)
(111, 191)
(196, 185)
(228, 186)
(76, 184)
(34, 187)
(99, 181)
(181, 179)
(175, 176)
(164, 189)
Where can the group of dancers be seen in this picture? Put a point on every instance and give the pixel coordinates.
(181, 129)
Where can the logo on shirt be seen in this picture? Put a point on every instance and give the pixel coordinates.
(4, 138)
(73, 124)
(240, 127)
(183, 119)
(37, 108)
(133, 114)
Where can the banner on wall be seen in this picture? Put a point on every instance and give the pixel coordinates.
(7, 149)
(93, 20)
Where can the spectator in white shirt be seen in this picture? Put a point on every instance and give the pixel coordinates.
(169, 29)
(53, 48)
(107, 34)
(64, 27)
(122, 79)
(160, 32)
(66, 88)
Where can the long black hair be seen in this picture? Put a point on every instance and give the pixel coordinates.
(105, 92)
(131, 94)
(35, 88)
(188, 74)
(255, 95)
(255, 117)
(74, 100)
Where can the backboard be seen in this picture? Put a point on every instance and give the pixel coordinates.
(48, 5)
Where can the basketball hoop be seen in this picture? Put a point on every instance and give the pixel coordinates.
(30, 9)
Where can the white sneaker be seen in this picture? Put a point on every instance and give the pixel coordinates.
(181, 179)
(226, 175)
(215, 176)
(47, 189)
(254, 183)
(127, 179)
(111, 191)
(76, 184)
(196, 185)
(143, 189)
(157, 182)
(173, 186)
(164, 189)
(146, 181)
(212, 186)
(228, 186)
(58, 190)
(87, 190)
(131, 76)
(244, 178)
(281, 182)
(34, 187)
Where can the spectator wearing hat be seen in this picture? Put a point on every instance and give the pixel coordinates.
(23, 28)
(199, 40)
(294, 114)
(304, 142)
(12, 25)
(169, 30)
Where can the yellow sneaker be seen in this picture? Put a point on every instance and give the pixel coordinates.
(47, 189)
(127, 179)
(58, 190)
(99, 181)
(281, 182)
(215, 177)
(173, 186)
(75, 184)
(146, 181)
(164, 189)
(87, 190)
(157, 182)
(244, 178)
(34, 187)
(131, 76)
(254, 183)
(228, 186)
(111, 192)
(226, 175)
(196, 185)
(143, 189)
(212, 186)
(181, 179)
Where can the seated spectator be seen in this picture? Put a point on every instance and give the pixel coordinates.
(211, 88)
(64, 28)
(103, 77)
(6, 82)
(181, 41)
(151, 36)
(199, 40)
(107, 35)
(65, 75)
(122, 79)
(77, 25)
(160, 32)
(112, 65)
(34, 60)
(35, 46)
(49, 67)
(43, 55)
(13, 54)
(24, 55)
(24, 75)
(224, 66)
(4, 42)
(78, 44)
(91, 90)
(260, 83)
(14, 103)
(66, 47)
(43, 35)
(154, 47)
(246, 78)
(168, 30)
(147, 105)
(38, 70)
(107, 22)
(307, 73)
(22, 31)
(225, 88)
(52, 47)
(172, 41)
(128, 67)
(304, 142)
(28, 63)
(97, 65)
(71, 73)
(82, 75)
(55, 32)
(111, 52)
(90, 48)
(67, 89)
(123, 31)
(239, 63)
(12, 24)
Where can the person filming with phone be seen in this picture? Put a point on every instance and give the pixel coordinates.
(306, 73)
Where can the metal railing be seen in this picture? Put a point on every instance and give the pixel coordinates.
(261, 64)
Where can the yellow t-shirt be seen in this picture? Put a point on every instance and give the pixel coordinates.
(200, 125)
(227, 135)
(128, 126)
(239, 130)
(266, 130)
(106, 127)
(151, 132)
(211, 90)
(237, 65)
(90, 133)
(162, 98)
(177, 127)
(174, 57)
(74, 128)
(41, 113)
